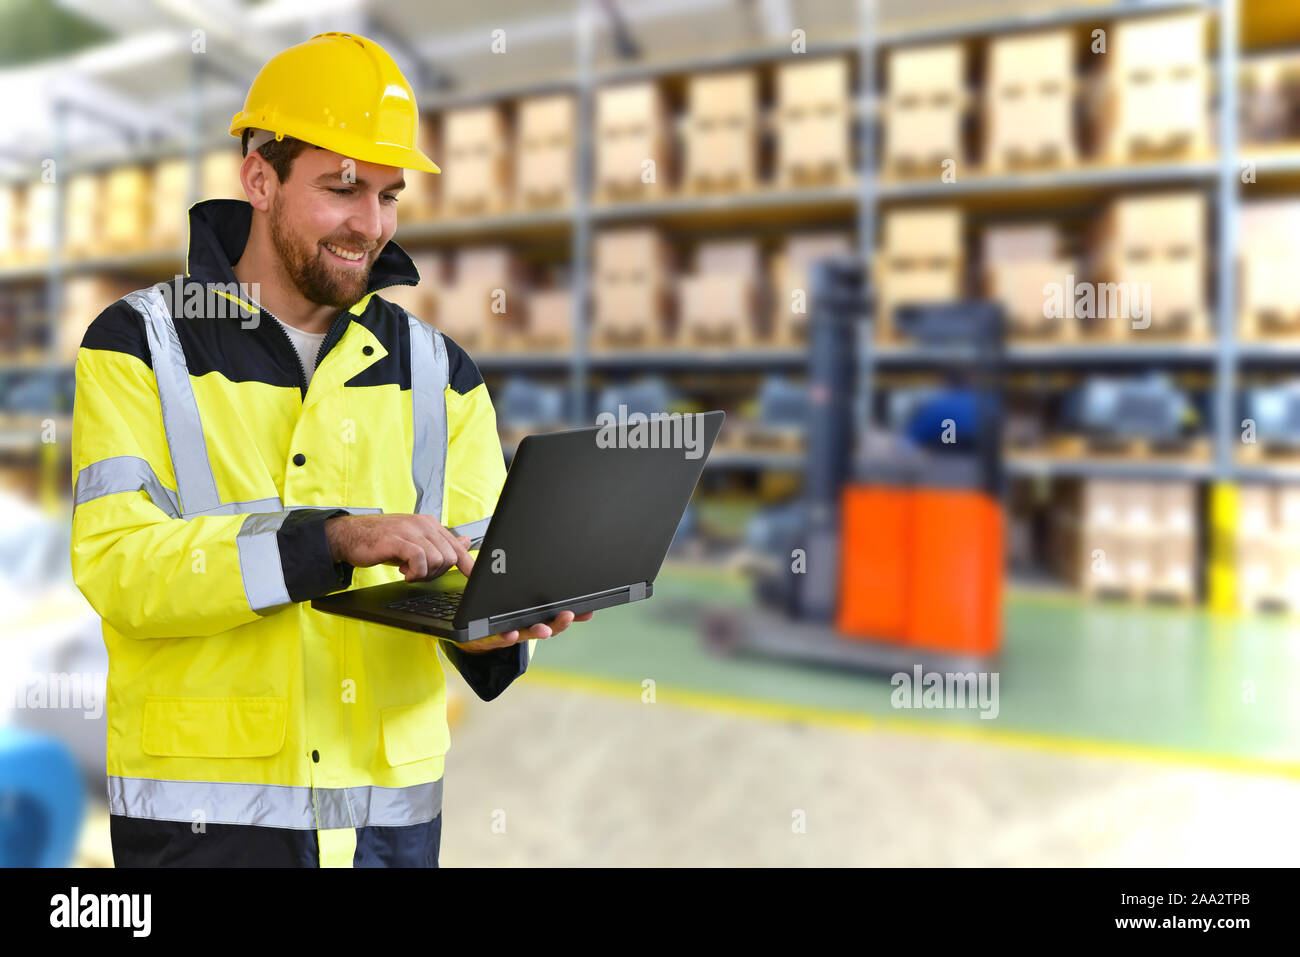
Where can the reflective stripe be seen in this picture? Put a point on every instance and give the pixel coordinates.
(475, 530)
(195, 484)
(123, 473)
(259, 561)
(429, 407)
(274, 805)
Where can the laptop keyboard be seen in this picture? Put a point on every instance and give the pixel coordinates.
(442, 605)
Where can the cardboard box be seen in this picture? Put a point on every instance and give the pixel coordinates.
(716, 304)
(632, 141)
(10, 198)
(220, 175)
(421, 300)
(722, 130)
(550, 315)
(1031, 63)
(927, 233)
(922, 135)
(37, 221)
(737, 257)
(126, 207)
(791, 282)
(475, 174)
(83, 209)
(1166, 42)
(1156, 222)
(168, 203)
(638, 249)
(1035, 243)
(812, 85)
(544, 172)
(923, 71)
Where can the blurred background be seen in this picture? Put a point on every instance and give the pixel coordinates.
(1051, 440)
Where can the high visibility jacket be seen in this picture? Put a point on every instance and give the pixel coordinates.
(204, 472)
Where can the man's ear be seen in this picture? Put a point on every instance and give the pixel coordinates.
(259, 180)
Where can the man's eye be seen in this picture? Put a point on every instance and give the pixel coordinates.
(390, 197)
(342, 192)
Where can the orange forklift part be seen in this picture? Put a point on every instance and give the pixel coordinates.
(955, 582)
(922, 567)
(874, 563)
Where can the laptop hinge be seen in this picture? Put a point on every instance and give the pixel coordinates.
(636, 591)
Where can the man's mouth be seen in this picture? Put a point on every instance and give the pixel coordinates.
(346, 255)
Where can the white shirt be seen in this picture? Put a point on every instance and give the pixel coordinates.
(307, 344)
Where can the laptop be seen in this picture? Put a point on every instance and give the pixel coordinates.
(583, 522)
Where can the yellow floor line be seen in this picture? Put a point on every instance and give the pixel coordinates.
(630, 690)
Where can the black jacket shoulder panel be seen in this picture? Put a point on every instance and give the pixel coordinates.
(462, 372)
(119, 328)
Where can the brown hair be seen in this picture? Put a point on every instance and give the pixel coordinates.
(279, 153)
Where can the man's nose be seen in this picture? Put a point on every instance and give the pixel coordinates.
(367, 221)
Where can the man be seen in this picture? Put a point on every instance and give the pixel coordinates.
(292, 435)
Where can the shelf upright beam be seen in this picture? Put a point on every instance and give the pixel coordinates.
(581, 235)
(868, 197)
(1228, 198)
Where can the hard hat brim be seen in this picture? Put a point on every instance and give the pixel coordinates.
(384, 154)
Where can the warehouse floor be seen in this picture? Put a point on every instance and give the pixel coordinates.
(1124, 736)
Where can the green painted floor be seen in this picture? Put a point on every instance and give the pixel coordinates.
(1173, 679)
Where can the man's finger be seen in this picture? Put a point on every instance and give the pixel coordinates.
(458, 547)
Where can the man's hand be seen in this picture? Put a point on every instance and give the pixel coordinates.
(508, 638)
(417, 544)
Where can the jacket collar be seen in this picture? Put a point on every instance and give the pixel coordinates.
(219, 232)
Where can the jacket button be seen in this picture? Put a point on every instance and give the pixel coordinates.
(300, 459)
(367, 350)
(315, 756)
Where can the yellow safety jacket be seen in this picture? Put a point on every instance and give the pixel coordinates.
(204, 470)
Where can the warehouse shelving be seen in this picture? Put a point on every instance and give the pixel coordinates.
(854, 204)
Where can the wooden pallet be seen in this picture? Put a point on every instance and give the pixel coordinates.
(511, 340)
(1270, 452)
(710, 184)
(613, 192)
(485, 205)
(733, 337)
(756, 437)
(921, 166)
(1140, 146)
(1188, 326)
(533, 200)
(606, 339)
(1270, 323)
(1194, 448)
(1041, 330)
(813, 175)
(1015, 159)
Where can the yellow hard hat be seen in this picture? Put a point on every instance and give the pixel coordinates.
(341, 92)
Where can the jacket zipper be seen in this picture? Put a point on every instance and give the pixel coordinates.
(326, 344)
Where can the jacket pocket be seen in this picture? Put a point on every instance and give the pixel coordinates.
(413, 732)
(213, 727)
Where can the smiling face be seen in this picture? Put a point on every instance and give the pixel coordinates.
(329, 220)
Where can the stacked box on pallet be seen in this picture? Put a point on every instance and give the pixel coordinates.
(1269, 234)
(1123, 537)
(791, 289)
(84, 298)
(631, 277)
(10, 215)
(421, 300)
(633, 142)
(219, 175)
(718, 304)
(1019, 265)
(475, 177)
(1270, 98)
(921, 260)
(924, 104)
(418, 200)
(126, 207)
(168, 203)
(550, 319)
(36, 222)
(813, 122)
(1268, 547)
(83, 215)
(544, 159)
(1152, 249)
(721, 142)
(485, 300)
(1156, 88)
(1028, 113)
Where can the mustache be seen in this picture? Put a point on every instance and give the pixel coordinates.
(365, 247)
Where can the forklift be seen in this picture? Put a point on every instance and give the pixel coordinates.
(888, 559)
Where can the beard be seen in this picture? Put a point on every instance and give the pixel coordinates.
(316, 279)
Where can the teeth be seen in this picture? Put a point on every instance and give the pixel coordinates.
(353, 257)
